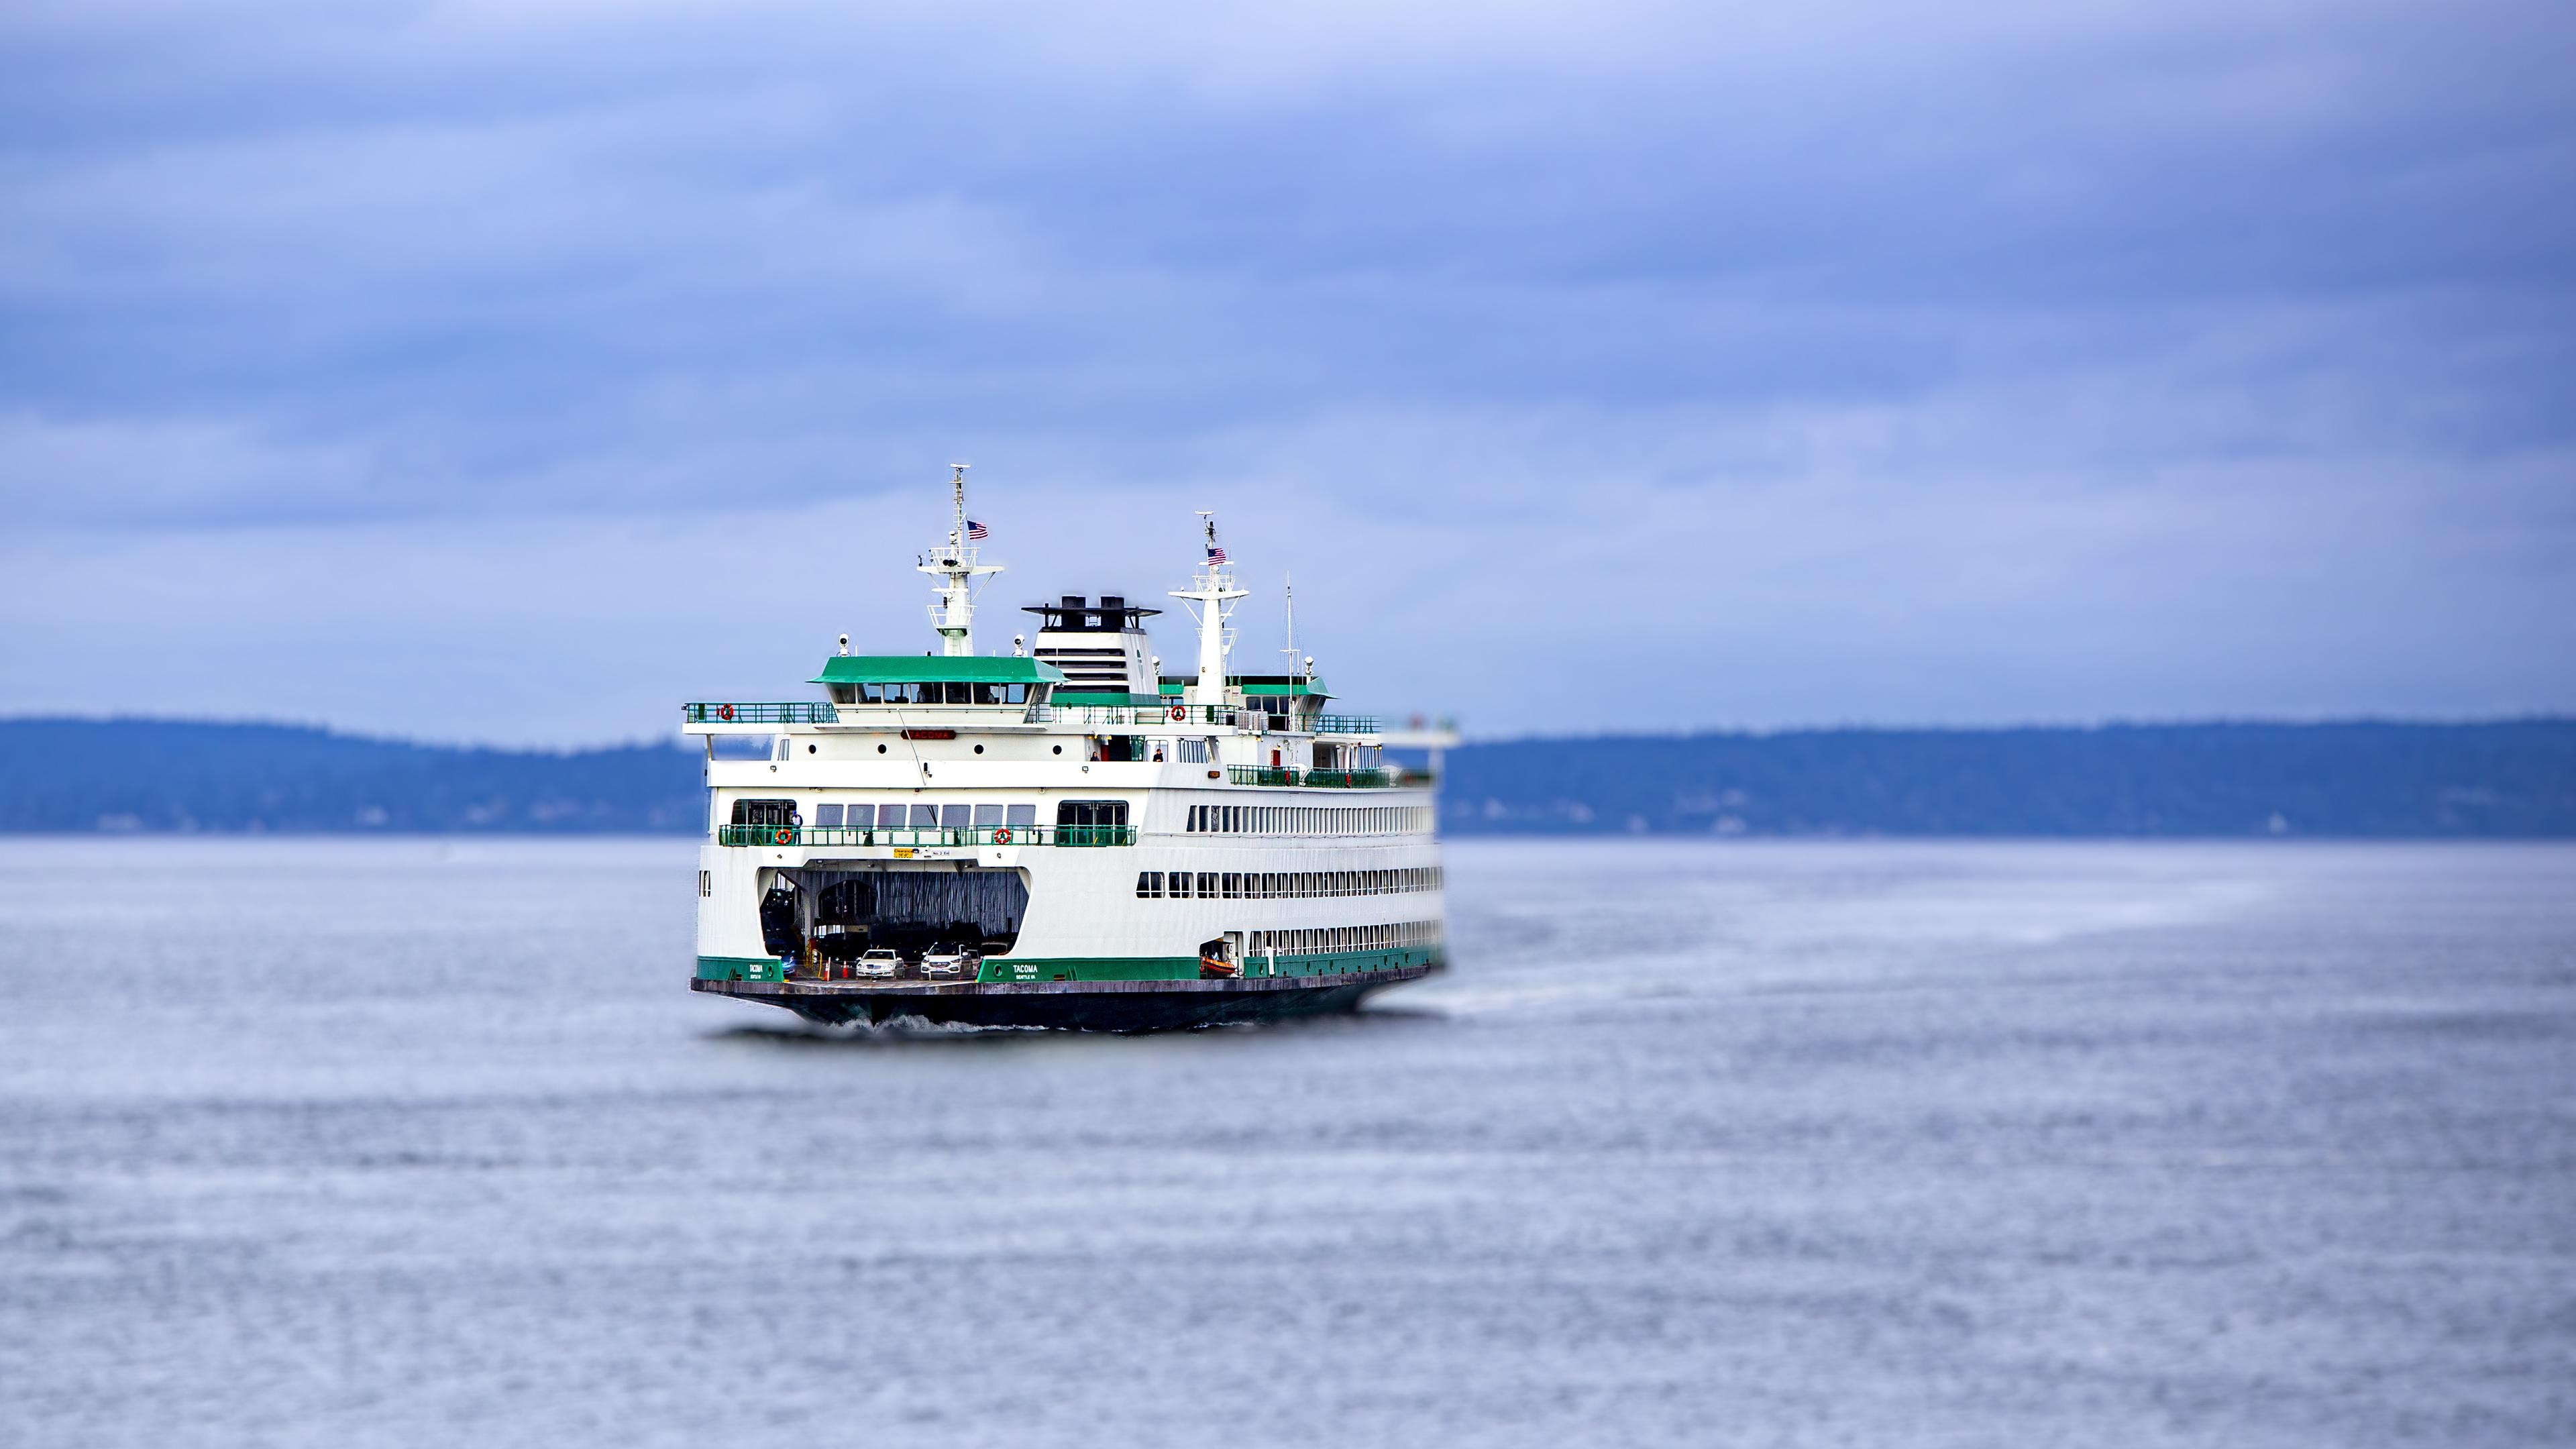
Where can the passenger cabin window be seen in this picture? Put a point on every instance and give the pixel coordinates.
(1091, 812)
(764, 812)
(932, 691)
(828, 817)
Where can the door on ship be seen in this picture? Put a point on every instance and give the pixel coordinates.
(1219, 957)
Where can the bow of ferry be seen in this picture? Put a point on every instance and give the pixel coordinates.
(1062, 836)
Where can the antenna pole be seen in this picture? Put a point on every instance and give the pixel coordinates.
(1290, 592)
(957, 565)
(1212, 590)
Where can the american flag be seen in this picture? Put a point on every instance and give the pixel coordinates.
(1215, 554)
(976, 530)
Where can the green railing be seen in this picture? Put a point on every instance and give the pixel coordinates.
(1346, 724)
(1123, 714)
(794, 711)
(1090, 835)
(927, 835)
(1326, 779)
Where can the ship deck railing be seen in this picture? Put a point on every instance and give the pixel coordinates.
(811, 711)
(791, 711)
(1318, 779)
(1230, 716)
(814, 711)
(925, 835)
(1327, 779)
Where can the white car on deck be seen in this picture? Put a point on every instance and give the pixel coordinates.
(877, 965)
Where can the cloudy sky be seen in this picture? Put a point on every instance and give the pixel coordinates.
(514, 371)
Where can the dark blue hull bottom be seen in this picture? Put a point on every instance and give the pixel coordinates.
(1121, 1006)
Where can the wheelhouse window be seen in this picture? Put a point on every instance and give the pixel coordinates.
(764, 812)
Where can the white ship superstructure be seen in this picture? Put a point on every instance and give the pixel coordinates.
(1101, 844)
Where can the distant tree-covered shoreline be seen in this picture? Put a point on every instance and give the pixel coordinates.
(2501, 779)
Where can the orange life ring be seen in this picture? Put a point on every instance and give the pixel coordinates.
(724, 712)
(1180, 712)
(1002, 835)
(785, 836)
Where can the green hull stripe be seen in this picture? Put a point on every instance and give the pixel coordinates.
(1104, 968)
(1186, 968)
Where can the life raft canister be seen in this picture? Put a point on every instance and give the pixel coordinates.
(724, 712)
(1180, 712)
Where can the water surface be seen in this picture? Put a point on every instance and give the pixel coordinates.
(424, 1142)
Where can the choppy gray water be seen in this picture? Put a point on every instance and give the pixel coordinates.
(341, 1143)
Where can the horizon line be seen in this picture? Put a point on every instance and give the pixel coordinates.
(1688, 733)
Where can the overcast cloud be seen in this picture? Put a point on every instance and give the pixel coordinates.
(514, 371)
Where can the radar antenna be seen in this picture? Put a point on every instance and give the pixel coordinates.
(957, 563)
(1214, 595)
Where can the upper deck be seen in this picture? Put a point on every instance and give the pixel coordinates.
(1097, 713)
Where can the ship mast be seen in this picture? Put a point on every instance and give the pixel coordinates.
(955, 561)
(1213, 595)
(1289, 595)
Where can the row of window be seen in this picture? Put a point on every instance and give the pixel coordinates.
(917, 815)
(1218, 819)
(924, 817)
(1265, 885)
(931, 692)
(1393, 936)
(1309, 819)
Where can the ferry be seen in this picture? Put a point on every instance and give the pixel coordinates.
(1064, 836)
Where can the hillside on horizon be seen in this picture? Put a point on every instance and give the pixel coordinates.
(2496, 780)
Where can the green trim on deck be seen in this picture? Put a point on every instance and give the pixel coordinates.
(1186, 968)
(936, 668)
(1090, 968)
(1107, 699)
(741, 968)
(1107, 968)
